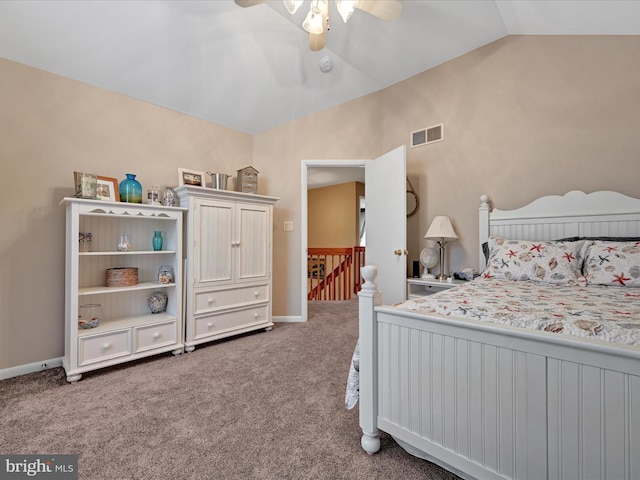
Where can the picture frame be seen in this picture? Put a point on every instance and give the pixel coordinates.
(108, 189)
(84, 185)
(192, 178)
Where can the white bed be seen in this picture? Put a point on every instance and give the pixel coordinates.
(485, 400)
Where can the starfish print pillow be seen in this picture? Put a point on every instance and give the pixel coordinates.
(537, 261)
(613, 263)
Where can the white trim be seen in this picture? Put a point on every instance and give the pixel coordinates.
(304, 313)
(287, 319)
(30, 368)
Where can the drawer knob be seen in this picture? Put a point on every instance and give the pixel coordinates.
(156, 335)
(210, 300)
(257, 294)
(210, 324)
(106, 346)
(255, 315)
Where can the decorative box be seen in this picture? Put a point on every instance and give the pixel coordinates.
(121, 277)
(247, 180)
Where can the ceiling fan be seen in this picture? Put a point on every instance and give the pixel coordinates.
(317, 20)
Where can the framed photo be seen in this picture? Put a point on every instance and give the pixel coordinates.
(108, 189)
(191, 178)
(85, 185)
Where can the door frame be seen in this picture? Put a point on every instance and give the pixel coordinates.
(304, 311)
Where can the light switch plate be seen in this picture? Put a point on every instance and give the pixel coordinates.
(288, 226)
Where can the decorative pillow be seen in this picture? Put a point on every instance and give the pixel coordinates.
(486, 249)
(612, 263)
(539, 261)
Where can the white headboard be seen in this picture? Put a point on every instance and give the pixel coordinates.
(575, 214)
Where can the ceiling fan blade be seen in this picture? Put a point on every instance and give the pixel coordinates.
(384, 9)
(248, 3)
(317, 41)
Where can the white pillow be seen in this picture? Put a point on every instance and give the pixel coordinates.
(538, 261)
(612, 263)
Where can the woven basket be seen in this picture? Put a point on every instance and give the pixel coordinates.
(121, 277)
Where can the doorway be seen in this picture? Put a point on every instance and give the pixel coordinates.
(385, 179)
(326, 166)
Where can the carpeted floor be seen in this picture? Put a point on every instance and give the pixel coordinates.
(267, 405)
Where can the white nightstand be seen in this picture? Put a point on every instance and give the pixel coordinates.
(419, 287)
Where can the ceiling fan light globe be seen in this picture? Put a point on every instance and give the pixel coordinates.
(292, 5)
(313, 23)
(346, 8)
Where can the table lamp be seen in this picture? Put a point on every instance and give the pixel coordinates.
(441, 231)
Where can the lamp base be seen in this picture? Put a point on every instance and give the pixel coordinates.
(442, 276)
(429, 276)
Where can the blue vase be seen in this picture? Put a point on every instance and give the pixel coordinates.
(130, 189)
(157, 240)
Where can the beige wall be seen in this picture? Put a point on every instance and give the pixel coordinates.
(524, 116)
(49, 127)
(346, 132)
(333, 215)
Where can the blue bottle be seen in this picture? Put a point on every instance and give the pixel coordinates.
(130, 189)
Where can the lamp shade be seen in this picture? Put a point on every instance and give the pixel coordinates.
(441, 228)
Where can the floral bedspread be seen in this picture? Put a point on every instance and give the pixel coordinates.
(353, 380)
(607, 313)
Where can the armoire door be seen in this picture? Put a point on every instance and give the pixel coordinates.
(252, 242)
(214, 242)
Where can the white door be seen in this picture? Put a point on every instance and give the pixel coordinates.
(386, 223)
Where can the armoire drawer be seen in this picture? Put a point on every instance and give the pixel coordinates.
(154, 336)
(215, 324)
(230, 297)
(105, 346)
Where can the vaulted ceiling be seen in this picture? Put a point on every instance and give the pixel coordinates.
(251, 69)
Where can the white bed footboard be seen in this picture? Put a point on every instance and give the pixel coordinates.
(486, 401)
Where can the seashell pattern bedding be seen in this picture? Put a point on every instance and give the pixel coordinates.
(603, 312)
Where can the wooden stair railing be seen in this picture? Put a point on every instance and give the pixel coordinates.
(358, 262)
(331, 272)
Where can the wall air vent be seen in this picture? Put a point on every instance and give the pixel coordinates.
(427, 135)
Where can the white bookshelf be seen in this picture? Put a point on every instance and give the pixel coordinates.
(128, 330)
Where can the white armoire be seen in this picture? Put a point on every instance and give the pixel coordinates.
(228, 263)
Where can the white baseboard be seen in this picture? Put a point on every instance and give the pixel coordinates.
(287, 319)
(57, 362)
(30, 368)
